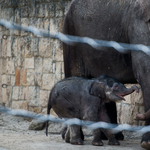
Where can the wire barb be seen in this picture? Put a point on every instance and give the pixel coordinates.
(74, 121)
(72, 40)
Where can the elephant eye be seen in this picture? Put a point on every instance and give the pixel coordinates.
(115, 86)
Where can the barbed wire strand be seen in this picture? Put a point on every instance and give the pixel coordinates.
(74, 121)
(71, 40)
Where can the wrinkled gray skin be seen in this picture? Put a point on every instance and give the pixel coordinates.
(126, 21)
(84, 99)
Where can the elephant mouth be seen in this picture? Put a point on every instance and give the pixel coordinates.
(121, 96)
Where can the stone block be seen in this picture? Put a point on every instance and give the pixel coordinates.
(47, 65)
(4, 48)
(8, 14)
(30, 77)
(33, 96)
(43, 100)
(20, 105)
(46, 24)
(35, 109)
(34, 46)
(4, 66)
(12, 80)
(38, 71)
(59, 10)
(17, 19)
(51, 8)
(60, 24)
(15, 94)
(29, 63)
(9, 43)
(118, 105)
(17, 16)
(24, 77)
(40, 10)
(37, 125)
(21, 52)
(15, 47)
(10, 69)
(40, 24)
(57, 51)
(58, 72)
(22, 3)
(25, 22)
(24, 11)
(17, 77)
(54, 26)
(4, 95)
(6, 79)
(38, 64)
(23, 93)
(128, 113)
(48, 81)
(27, 47)
(31, 8)
(63, 71)
(43, 47)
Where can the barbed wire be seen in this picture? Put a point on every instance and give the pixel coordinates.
(74, 121)
(71, 40)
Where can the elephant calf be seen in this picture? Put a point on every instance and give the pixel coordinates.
(81, 98)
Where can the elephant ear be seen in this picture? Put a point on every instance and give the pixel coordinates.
(97, 89)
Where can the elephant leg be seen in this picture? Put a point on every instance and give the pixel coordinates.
(145, 141)
(75, 135)
(141, 70)
(64, 130)
(97, 138)
(63, 133)
(67, 135)
(111, 137)
(112, 114)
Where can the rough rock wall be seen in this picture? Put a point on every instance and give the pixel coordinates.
(30, 66)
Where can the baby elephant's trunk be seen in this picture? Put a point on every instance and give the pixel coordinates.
(133, 88)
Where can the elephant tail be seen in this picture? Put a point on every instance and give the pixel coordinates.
(48, 112)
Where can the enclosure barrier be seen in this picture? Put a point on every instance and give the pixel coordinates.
(71, 40)
(74, 121)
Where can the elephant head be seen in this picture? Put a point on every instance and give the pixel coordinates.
(110, 89)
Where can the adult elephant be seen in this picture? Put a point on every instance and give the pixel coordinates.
(125, 21)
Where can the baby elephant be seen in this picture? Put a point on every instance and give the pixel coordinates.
(81, 98)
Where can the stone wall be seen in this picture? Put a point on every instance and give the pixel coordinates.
(30, 66)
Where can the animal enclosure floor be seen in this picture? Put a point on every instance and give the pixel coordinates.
(14, 135)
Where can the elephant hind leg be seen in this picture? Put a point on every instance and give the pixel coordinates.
(75, 135)
(97, 138)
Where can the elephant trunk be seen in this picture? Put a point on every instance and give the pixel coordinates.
(132, 89)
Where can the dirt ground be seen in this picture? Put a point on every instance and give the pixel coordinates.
(14, 135)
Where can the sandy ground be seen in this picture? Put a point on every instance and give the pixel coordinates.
(14, 135)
